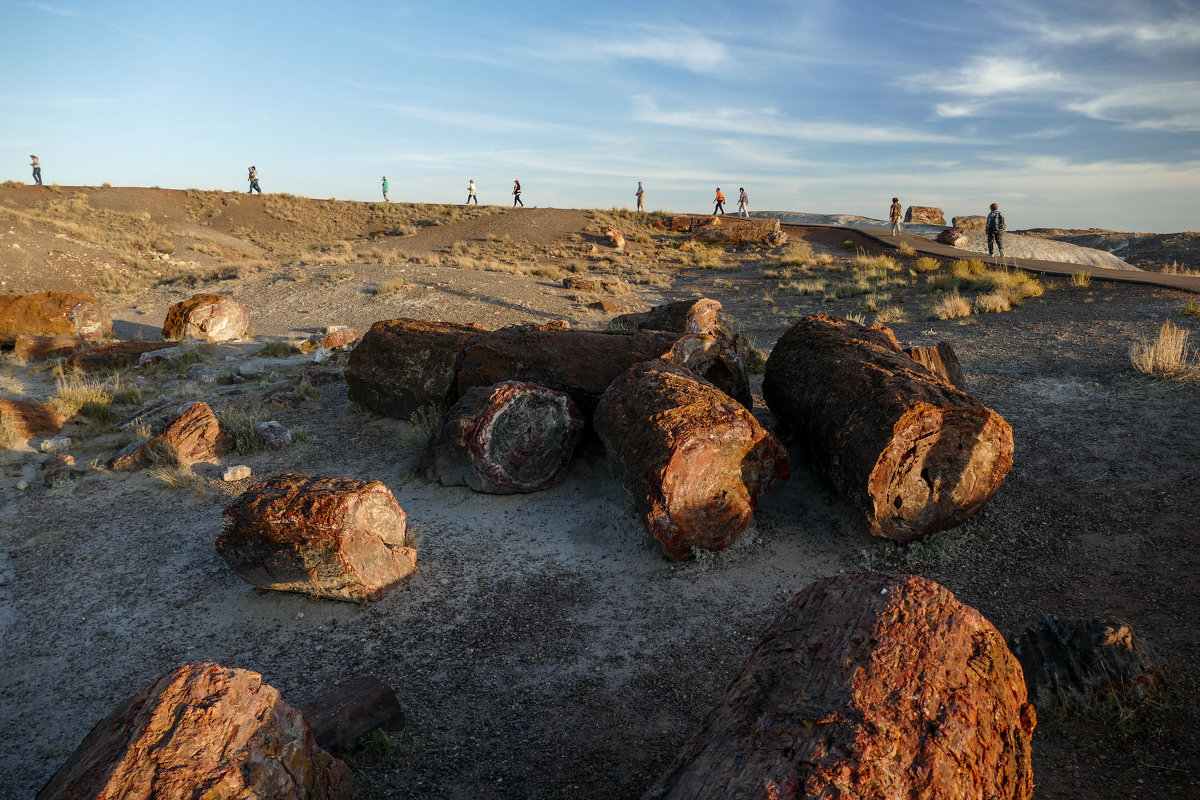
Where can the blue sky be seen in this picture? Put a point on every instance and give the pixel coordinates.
(1067, 113)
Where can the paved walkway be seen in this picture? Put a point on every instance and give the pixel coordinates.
(1188, 283)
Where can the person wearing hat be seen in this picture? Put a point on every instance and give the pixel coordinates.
(471, 192)
(37, 170)
(385, 197)
(517, 194)
(253, 178)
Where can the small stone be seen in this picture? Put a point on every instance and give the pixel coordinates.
(276, 436)
(202, 374)
(240, 472)
(22, 486)
(56, 444)
(251, 369)
(321, 355)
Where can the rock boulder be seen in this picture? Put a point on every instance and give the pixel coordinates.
(924, 215)
(194, 436)
(969, 223)
(955, 237)
(212, 317)
(78, 316)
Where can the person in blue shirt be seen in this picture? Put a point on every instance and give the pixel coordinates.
(641, 193)
(385, 187)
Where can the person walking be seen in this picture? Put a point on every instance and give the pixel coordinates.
(385, 188)
(720, 203)
(471, 192)
(641, 194)
(516, 194)
(894, 215)
(37, 170)
(743, 203)
(253, 178)
(995, 229)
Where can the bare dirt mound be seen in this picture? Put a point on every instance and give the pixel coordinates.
(1151, 251)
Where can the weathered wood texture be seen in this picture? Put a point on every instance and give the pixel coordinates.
(201, 731)
(357, 707)
(339, 538)
(111, 355)
(195, 435)
(29, 418)
(402, 365)
(704, 316)
(1083, 660)
(866, 686)
(41, 348)
(925, 215)
(504, 439)
(731, 230)
(912, 452)
(580, 363)
(212, 317)
(695, 460)
(941, 361)
(78, 316)
(714, 359)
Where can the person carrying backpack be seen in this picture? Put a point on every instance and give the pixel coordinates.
(995, 229)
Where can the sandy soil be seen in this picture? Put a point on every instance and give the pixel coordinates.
(546, 648)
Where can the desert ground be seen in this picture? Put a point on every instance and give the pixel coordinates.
(545, 647)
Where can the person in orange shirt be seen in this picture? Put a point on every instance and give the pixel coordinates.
(720, 206)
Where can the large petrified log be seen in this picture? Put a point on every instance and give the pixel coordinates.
(28, 418)
(867, 686)
(357, 707)
(715, 360)
(212, 317)
(194, 436)
(925, 215)
(78, 316)
(42, 348)
(942, 361)
(695, 461)
(508, 438)
(729, 230)
(402, 365)
(340, 538)
(1082, 660)
(914, 453)
(705, 316)
(201, 730)
(580, 363)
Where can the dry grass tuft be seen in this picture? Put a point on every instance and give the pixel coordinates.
(889, 314)
(1166, 356)
(74, 394)
(926, 264)
(992, 303)
(10, 434)
(952, 306)
(1081, 279)
(905, 249)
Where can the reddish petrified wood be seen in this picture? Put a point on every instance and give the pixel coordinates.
(914, 453)
(78, 316)
(508, 438)
(580, 363)
(402, 365)
(941, 361)
(202, 731)
(112, 355)
(194, 436)
(714, 359)
(690, 316)
(30, 418)
(727, 230)
(339, 538)
(213, 317)
(867, 686)
(41, 348)
(357, 707)
(695, 460)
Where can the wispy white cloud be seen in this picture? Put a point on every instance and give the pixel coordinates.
(1132, 33)
(997, 75)
(770, 122)
(1162, 107)
(683, 48)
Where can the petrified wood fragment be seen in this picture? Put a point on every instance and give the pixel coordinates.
(201, 730)
(1081, 660)
(941, 361)
(78, 316)
(689, 316)
(912, 452)
(357, 707)
(866, 686)
(714, 359)
(924, 215)
(194, 436)
(30, 418)
(41, 348)
(694, 459)
(340, 538)
(727, 230)
(402, 365)
(508, 438)
(111, 355)
(212, 317)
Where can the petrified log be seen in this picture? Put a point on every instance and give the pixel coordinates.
(201, 730)
(955, 237)
(971, 222)
(925, 215)
(401, 365)
(41, 348)
(731, 230)
(112, 355)
(616, 240)
(354, 709)
(694, 460)
(867, 686)
(213, 317)
(195, 435)
(689, 316)
(715, 360)
(580, 363)
(941, 361)
(1081, 660)
(333, 339)
(593, 284)
(906, 447)
(340, 538)
(78, 316)
(508, 438)
(30, 418)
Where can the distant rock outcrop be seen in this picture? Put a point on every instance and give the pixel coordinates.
(78, 316)
(924, 215)
(212, 317)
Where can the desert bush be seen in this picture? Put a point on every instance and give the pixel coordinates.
(952, 306)
(967, 267)
(278, 349)
(927, 264)
(889, 314)
(393, 286)
(849, 245)
(1166, 356)
(127, 396)
(240, 424)
(810, 286)
(1192, 309)
(106, 185)
(1081, 279)
(905, 249)
(992, 303)
(9, 434)
(796, 254)
(73, 393)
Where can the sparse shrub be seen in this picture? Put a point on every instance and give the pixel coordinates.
(163, 245)
(967, 267)
(1166, 356)
(848, 245)
(240, 424)
(943, 282)
(795, 254)
(889, 314)
(1192, 309)
(905, 249)
(927, 264)
(810, 286)
(952, 306)
(72, 394)
(1081, 279)
(9, 434)
(421, 426)
(856, 318)
(278, 349)
(394, 286)
(992, 303)
(106, 185)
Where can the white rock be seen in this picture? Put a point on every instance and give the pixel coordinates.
(56, 444)
(22, 486)
(251, 369)
(237, 473)
(321, 355)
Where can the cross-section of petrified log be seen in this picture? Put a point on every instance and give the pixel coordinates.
(580, 363)
(78, 316)
(695, 460)
(866, 686)
(1083, 660)
(714, 359)
(212, 317)
(689, 316)
(941, 361)
(402, 365)
(508, 438)
(914, 453)
(340, 538)
(201, 731)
